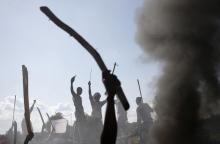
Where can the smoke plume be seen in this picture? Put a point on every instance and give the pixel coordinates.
(184, 35)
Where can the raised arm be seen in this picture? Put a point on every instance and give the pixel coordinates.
(103, 102)
(32, 107)
(71, 87)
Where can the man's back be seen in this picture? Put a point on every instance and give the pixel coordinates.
(122, 114)
(97, 110)
(77, 100)
(79, 110)
(144, 112)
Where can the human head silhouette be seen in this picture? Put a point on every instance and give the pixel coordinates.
(97, 97)
(139, 100)
(79, 91)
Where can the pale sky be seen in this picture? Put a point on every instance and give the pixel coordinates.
(53, 57)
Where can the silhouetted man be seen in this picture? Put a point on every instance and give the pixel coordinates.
(96, 104)
(144, 119)
(80, 128)
(23, 122)
(77, 100)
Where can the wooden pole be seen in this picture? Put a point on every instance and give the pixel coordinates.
(139, 88)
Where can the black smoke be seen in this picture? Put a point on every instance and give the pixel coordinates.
(184, 35)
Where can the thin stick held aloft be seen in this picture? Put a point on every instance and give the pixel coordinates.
(42, 119)
(115, 64)
(87, 46)
(48, 116)
(139, 88)
(14, 109)
(90, 75)
(14, 124)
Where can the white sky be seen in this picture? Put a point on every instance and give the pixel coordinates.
(52, 57)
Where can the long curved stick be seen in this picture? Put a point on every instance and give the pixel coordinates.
(74, 34)
(88, 47)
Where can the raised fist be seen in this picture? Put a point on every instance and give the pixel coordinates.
(73, 79)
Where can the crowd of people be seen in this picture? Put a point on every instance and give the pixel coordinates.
(89, 128)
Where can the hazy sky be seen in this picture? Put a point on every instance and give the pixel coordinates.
(53, 57)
